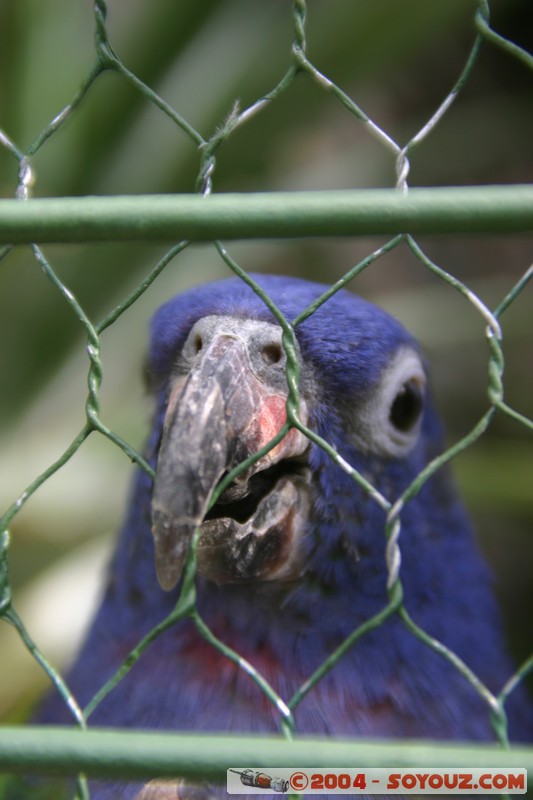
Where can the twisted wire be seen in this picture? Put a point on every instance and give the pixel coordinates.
(208, 151)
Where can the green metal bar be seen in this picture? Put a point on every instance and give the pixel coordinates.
(480, 209)
(121, 753)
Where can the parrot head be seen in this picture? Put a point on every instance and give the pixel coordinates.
(219, 369)
(291, 551)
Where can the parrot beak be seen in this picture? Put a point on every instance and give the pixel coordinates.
(229, 405)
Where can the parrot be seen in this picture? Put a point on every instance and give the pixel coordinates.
(291, 555)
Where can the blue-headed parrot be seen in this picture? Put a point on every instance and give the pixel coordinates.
(292, 556)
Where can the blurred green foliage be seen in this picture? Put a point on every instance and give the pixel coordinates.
(398, 60)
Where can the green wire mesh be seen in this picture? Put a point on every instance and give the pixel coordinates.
(107, 60)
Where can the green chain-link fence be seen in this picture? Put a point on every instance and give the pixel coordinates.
(399, 212)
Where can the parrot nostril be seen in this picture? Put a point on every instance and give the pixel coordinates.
(272, 353)
(197, 343)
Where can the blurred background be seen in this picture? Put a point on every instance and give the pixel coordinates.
(398, 60)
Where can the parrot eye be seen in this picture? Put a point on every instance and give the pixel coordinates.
(388, 421)
(407, 406)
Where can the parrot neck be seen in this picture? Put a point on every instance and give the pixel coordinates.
(344, 583)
